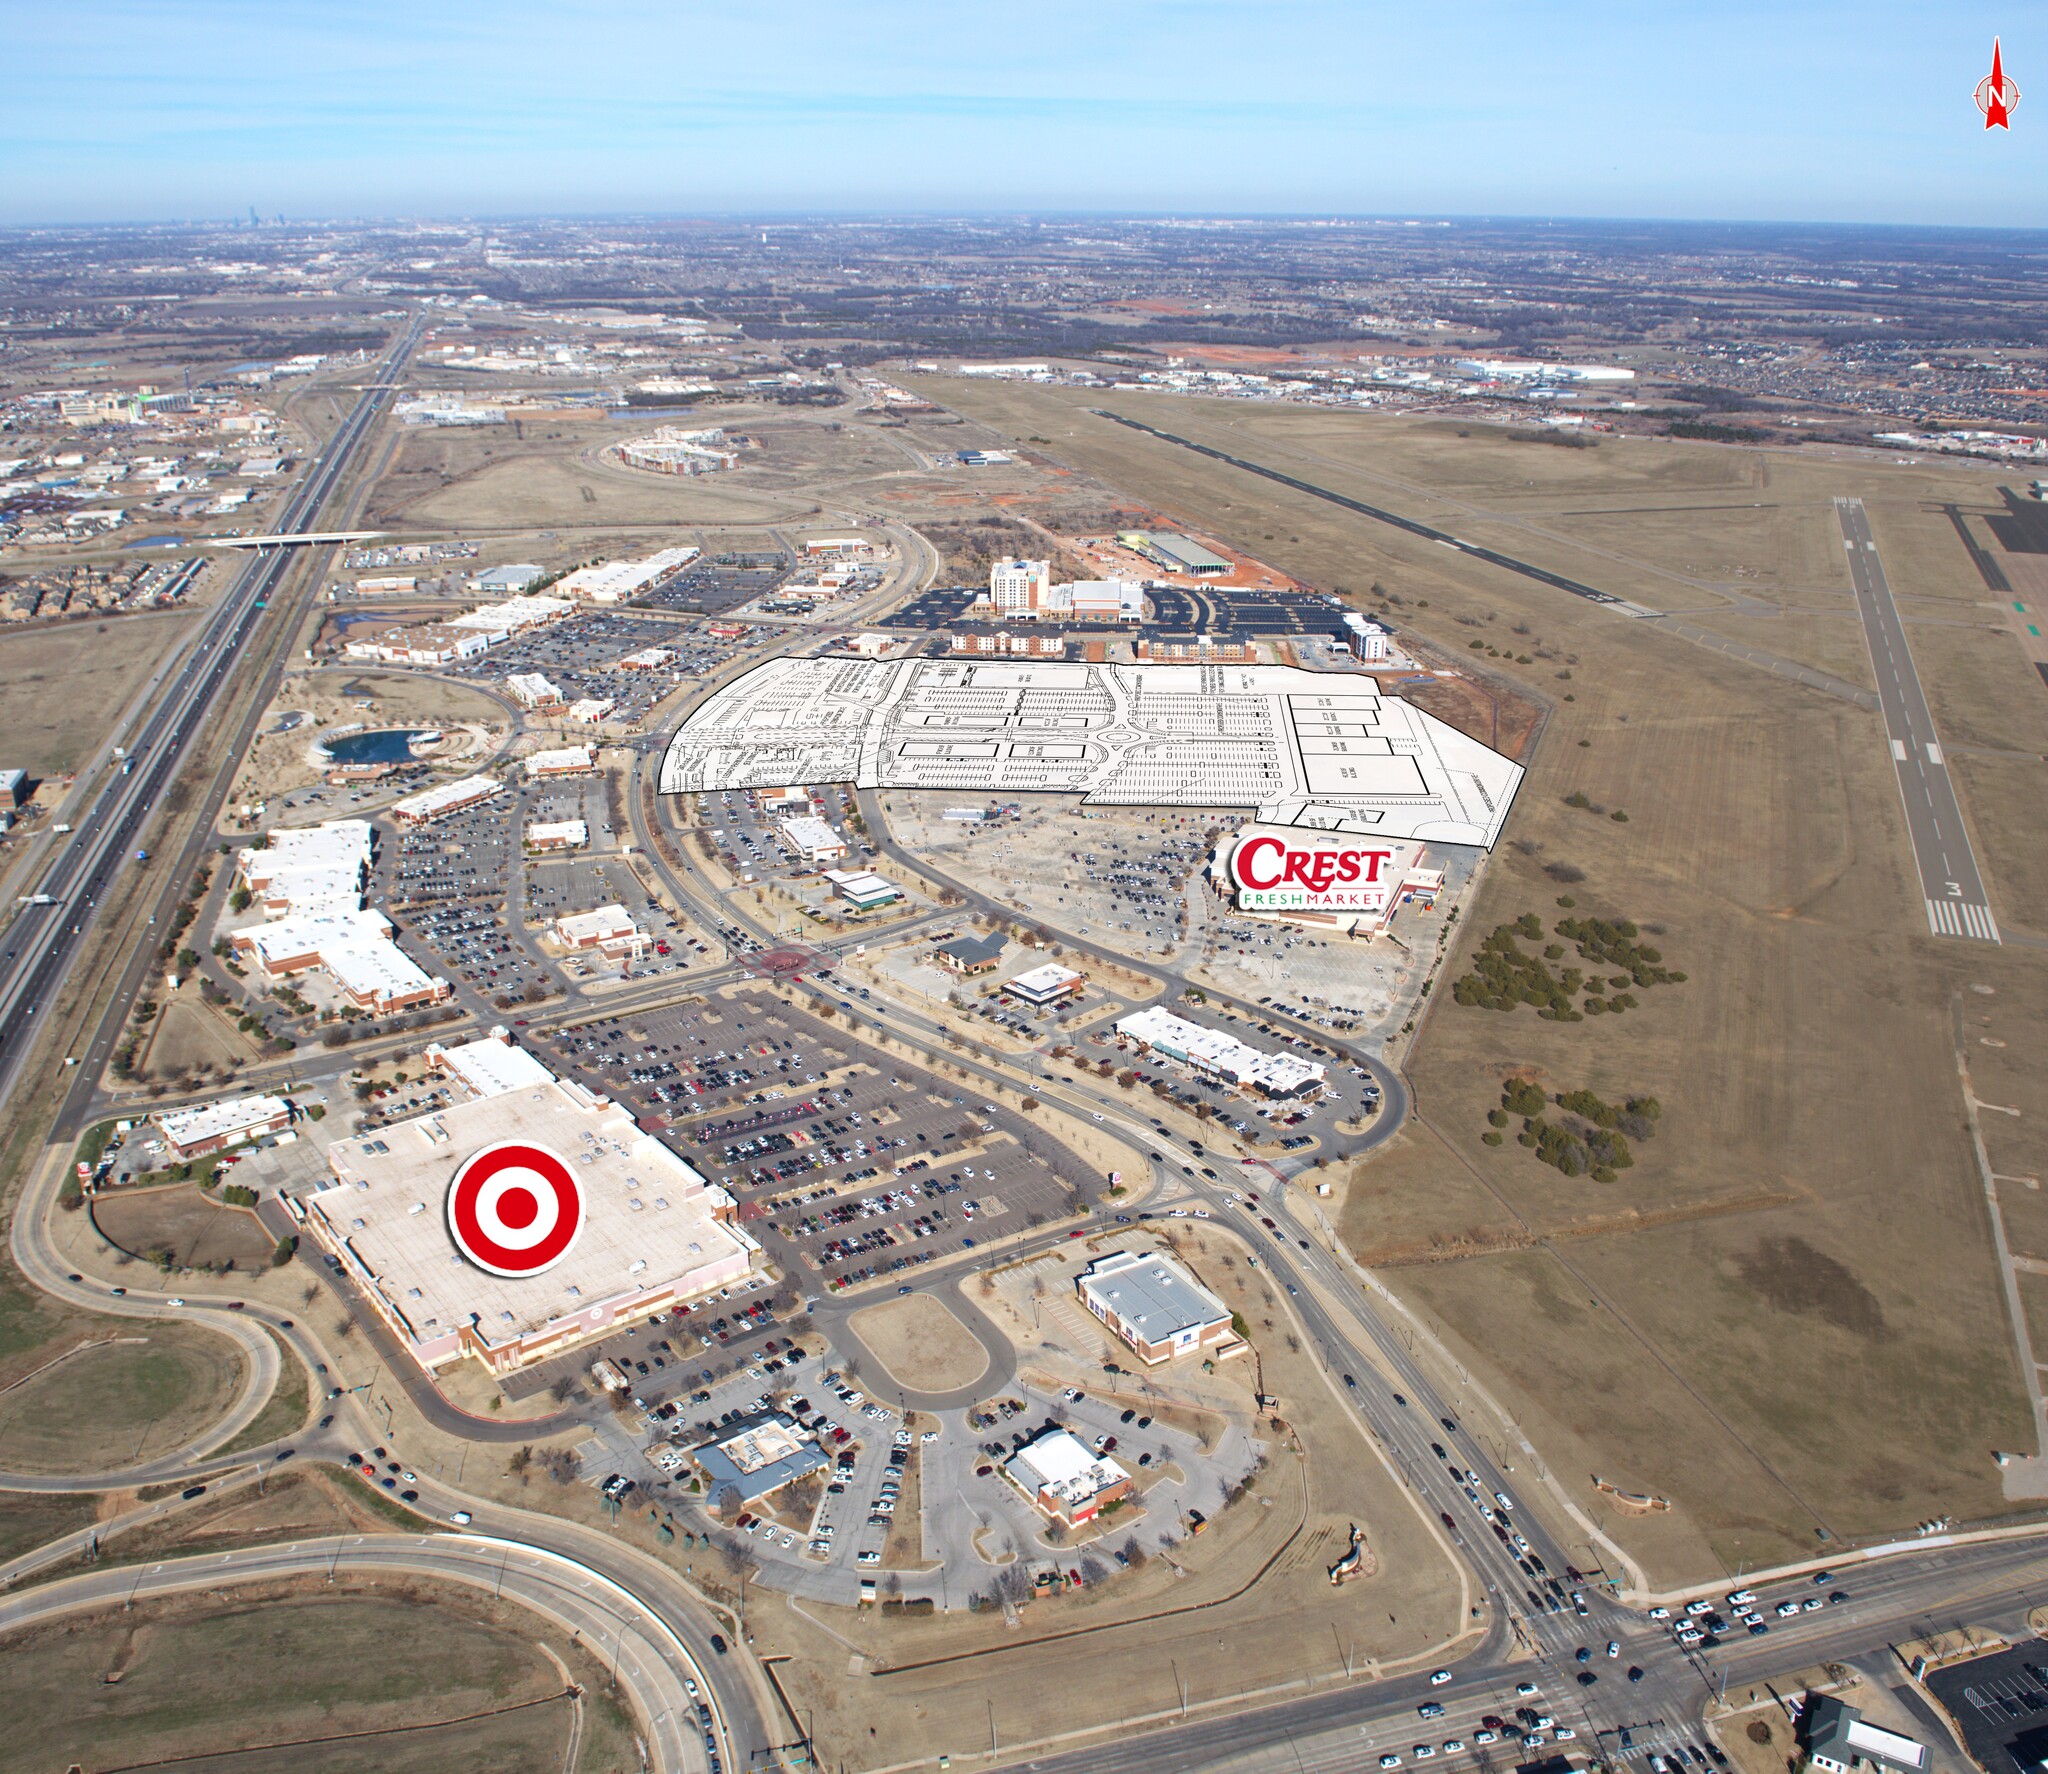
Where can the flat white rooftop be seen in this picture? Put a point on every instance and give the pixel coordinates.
(1043, 982)
(446, 797)
(649, 1217)
(1061, 1463)
(569, 757)
(514, 614)
(222, 1120)
(1326, 752)
(490, 1066)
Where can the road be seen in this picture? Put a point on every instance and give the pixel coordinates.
(1950, 885)
(47, 938)
(646, 1659)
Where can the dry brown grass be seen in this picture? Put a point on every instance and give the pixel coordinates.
(179, 1217)
(66, 685)
(921, 1343)
(1809, 1057)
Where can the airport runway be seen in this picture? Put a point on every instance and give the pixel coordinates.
(1957, 904)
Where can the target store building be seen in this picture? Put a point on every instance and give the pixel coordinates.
(653, 1232)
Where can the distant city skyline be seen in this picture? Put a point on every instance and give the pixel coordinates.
(1822, 112)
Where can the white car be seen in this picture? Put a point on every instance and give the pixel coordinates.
(1423, 1751)
(461, 1518)
(1787, 1609)
(1660, 1613)
(1390, 1761)
(929, 1435)
(174, 1301)
(1527, 1689)
(1501, 1497)
(869, 1558)
(1439, 1677)
(1564, 1733)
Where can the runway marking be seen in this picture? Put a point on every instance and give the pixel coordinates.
(1956, 917)
(1899, 750)
(1933, 753)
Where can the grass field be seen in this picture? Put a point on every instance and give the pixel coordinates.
(286, 1410)
(921, 1343)
(492, 481)
(188, 1035)
(213, 1681)
(117, 1403)
(1785, 1316)
(29, 1519)
(182, 1219)
(65, 685)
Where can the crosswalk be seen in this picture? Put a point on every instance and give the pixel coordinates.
(1957, 917)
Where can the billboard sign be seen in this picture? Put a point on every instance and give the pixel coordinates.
(1294, 872)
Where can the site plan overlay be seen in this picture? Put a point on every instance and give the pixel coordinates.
(1305, 749)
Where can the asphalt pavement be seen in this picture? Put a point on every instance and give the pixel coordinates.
(1950, 886)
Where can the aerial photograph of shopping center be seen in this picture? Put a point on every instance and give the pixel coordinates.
(873, 905)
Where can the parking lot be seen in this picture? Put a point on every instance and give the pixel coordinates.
(2001, 1703)
(580, 657)
(448, 885)
(750, 842)
(846, 1173)
(712, 587)
(1173, 613)
(967, 1518)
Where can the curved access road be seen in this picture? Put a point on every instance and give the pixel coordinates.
(647, 1660)
(37, 1257)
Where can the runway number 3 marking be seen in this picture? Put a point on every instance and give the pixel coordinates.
(514, 1209)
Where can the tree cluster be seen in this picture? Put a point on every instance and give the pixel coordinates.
(1592, 1135)
(1505, 975)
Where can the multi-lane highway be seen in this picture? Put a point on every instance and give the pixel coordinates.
(46, 937)
(1950, 885)
(640, 1652)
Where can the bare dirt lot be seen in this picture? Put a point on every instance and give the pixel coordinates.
(921, 1343)
(65, 685)
(1752, 1318)
(210, 1682)
(117, 1402)
(182, 1219)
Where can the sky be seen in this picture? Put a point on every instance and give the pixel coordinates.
(1811, 110)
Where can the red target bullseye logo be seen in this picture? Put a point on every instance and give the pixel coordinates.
(514, 1209)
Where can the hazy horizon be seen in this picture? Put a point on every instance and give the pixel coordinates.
(127, 113)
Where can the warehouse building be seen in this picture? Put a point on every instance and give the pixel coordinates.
(1175, 552)
(655, 1232)
(213, 1127)
(1156, 1306)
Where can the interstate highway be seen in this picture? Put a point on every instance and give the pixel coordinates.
(45, 939)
